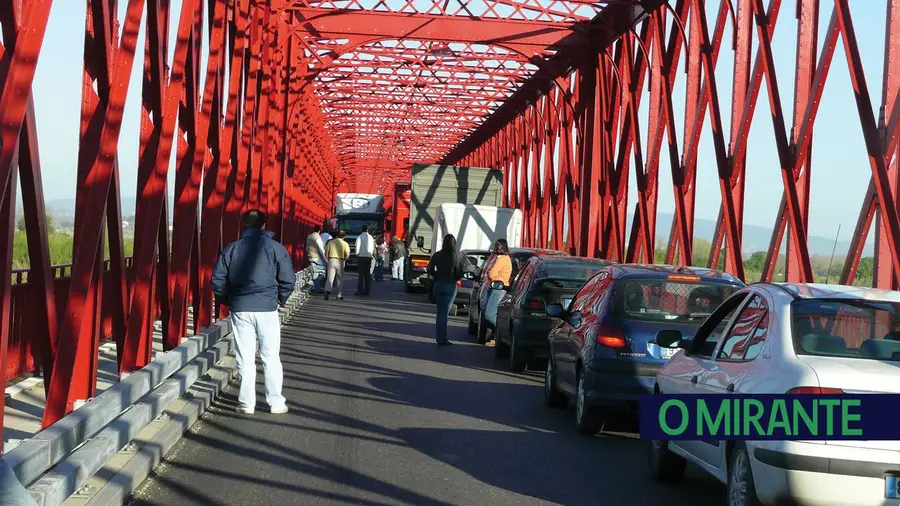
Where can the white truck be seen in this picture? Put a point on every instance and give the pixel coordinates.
(355, 210)
(477, 227)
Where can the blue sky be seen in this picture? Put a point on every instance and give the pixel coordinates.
(840, 167)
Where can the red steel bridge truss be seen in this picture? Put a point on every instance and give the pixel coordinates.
(304, 98)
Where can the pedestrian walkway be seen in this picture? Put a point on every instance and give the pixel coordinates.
(381, 415)
(25, 398)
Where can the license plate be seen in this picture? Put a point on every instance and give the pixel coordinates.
(892, 486)
(566, 303)
(667, 353)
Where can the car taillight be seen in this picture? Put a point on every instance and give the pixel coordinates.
(535, 304)
(610, 337)
(459, 283)
(815, 390)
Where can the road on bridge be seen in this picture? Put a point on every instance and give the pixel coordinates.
(381, 415)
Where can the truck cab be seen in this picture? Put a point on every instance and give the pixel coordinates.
(354, 210)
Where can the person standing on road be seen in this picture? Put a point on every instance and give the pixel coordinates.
(500, 271)
(398, 259)
(315, 254)
(365, 253)
(445, 271)
(381, 253)
(254, 275)
(337, 251)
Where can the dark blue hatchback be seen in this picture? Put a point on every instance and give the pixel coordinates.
(603, 351)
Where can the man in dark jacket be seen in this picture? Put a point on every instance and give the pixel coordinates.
(252, 277)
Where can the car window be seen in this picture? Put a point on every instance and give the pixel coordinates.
(523, 280)
(669, 300)
(847, 328)
(745, 339)
(707, 337)
(587, 296)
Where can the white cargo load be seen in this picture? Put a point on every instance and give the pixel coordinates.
(359, 203)
(477, 227)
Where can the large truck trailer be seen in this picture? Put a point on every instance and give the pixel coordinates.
(431, 186)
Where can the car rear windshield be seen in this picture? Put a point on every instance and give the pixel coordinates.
(568, 275)
(669, 300)
(850, 328)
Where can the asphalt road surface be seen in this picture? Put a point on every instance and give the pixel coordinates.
(380, 415)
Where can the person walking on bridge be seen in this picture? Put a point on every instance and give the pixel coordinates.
(365, 254)
(398, 259)
(315, 254)
(254, 275)
(445, 270)
(337, 251)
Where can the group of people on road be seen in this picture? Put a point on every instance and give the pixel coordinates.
(446, 268)
(327, 256)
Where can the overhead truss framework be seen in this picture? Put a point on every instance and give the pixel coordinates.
(405, 81)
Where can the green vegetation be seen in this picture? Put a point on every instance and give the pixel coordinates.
(60, 245)
(753, 265)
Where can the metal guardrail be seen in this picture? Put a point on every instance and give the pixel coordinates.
(56, 462)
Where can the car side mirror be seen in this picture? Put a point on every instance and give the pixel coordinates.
(555, 310)
(670, 339)
(497, 285)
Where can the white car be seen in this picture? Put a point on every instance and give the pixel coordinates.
(790, 338)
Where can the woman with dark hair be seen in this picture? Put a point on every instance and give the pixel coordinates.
(444, 270)
(381, 253)
(501, 271)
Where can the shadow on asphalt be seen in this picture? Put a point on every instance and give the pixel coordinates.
(512, 442)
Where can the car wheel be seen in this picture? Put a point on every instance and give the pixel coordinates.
(518, 361)
(665, 465)
(482, 330)
(741, 490)
(552, 396)
(587, 418)
(454, 310)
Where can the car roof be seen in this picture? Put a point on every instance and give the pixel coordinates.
(537, 251)
(623, 271)
(475, 251)
(823, 291)
(561, 259)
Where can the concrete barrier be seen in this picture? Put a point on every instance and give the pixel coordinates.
(56, 463)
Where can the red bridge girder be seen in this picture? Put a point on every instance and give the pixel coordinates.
(302, 99)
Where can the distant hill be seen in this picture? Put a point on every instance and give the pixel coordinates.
(66, 207)
(756, 238)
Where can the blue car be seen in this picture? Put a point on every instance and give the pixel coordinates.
(603, 351)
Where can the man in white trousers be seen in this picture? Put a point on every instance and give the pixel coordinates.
(253, 276)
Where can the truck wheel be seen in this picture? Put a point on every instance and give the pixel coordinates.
(454, 310)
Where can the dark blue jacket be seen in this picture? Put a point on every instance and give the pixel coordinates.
(254, 273)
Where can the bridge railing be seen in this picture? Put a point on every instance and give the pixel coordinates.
(25, 309)
(59, 461)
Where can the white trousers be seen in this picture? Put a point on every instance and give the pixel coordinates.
(250, 328)
(335, 275)
(397, 268)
